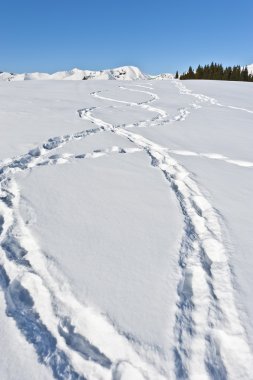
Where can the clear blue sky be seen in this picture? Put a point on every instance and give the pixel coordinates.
(157, 35)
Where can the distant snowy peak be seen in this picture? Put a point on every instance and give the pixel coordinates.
(119, 73)
(164, 76)
(250, 68)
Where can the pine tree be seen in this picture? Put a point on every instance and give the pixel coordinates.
(199, 72)
(227, 73)
(244, 74)
(215, 71)
(206, 72)
(191, 74)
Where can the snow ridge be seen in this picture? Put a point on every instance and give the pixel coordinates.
(250, 68)
(119, 73)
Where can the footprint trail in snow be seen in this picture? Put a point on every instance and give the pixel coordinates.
(209, 339)
(208, 329)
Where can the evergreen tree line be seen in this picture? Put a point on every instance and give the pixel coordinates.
(216, 71)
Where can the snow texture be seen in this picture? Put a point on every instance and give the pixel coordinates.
(125, 230)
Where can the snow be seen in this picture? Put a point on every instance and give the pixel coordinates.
(164, 76)
(119, 73)
(102, 210)
(16, 363)
(250, 68)
(125, 229)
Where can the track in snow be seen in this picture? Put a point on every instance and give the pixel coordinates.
(209, 338)
(42, 310)
(213, 156)
(24, 278)
(210, 341)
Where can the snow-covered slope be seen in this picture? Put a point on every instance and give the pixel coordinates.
(164, 76)
(126, 230)
(250, 69)
(120, 73)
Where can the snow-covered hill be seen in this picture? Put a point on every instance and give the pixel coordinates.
(250, 68)
(119, 73)
(163, 76)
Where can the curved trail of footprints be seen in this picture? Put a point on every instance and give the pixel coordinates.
(47, 324)
(210, 341)
(183, 90)
(24, 278)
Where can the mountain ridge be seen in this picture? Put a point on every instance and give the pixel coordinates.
(118, 73)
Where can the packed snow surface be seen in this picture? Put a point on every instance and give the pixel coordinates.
(126, 229)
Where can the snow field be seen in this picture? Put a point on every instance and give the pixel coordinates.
(76, 334)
